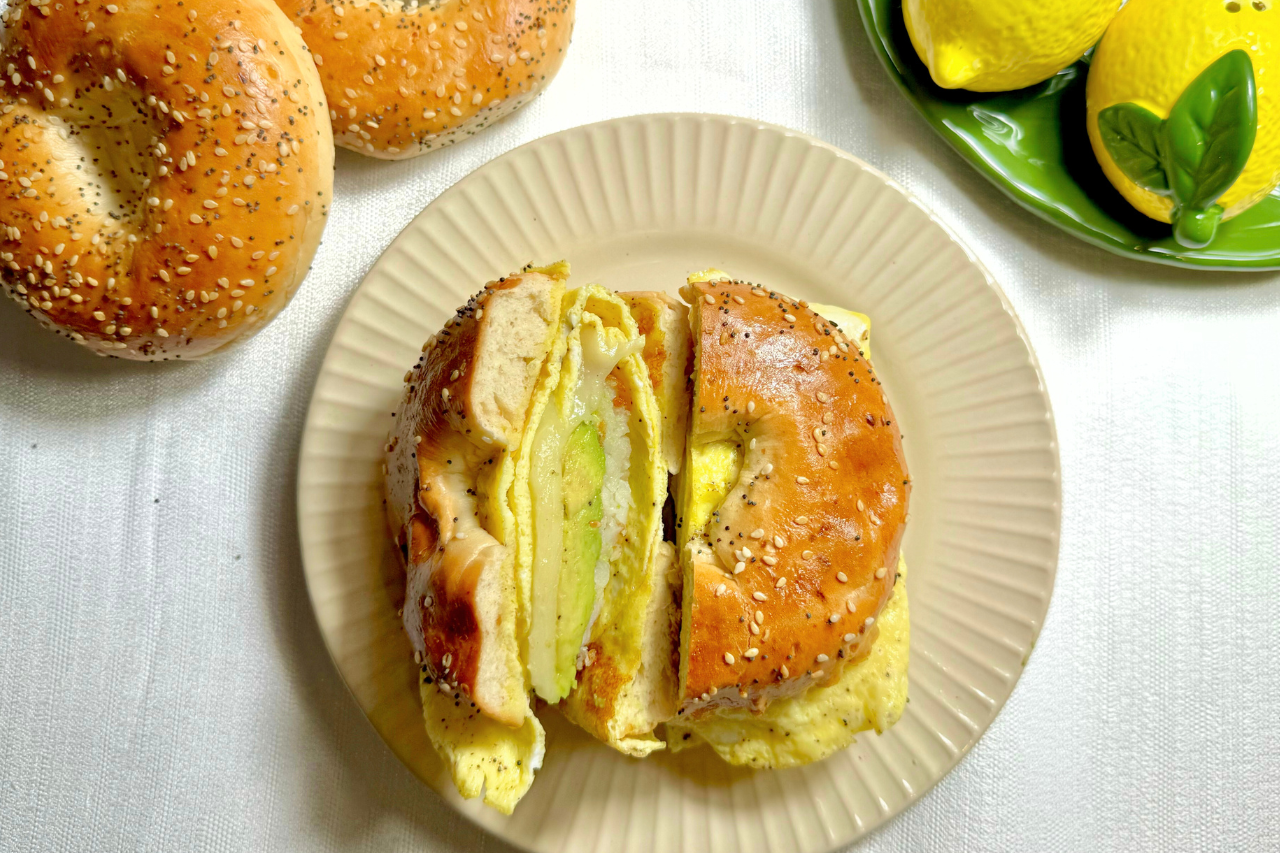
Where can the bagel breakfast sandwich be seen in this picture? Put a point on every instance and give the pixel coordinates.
(543, 436)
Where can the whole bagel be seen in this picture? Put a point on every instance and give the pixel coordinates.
(403, 80)
(165, 170)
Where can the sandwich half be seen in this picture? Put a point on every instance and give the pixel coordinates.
(525, 483)
(791, 510)
(451, 462)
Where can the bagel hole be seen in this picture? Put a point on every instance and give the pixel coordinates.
(110, 139)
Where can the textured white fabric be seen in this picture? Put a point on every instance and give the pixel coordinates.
(163, 685)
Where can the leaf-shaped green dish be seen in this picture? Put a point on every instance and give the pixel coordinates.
(1033, 145)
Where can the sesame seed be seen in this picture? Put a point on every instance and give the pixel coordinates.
(871, 620)
(790, 318)
(746, 553)
(755, 629)
(818, 674)
(759, 596)
(720, 590)
(804, 481)
(849, 638)
(783, 669)
(711, 300)
(833, 464)
(757, 533)
(769, 561)
(739, 567)
(818, 433)
(861, 505)
(852, 605)
(779, 542)
(728, 658)
(833, 618)
(767, 469)
(822, 450)
(822, 658)
(759, 617)
(823, 398)
(750, 653)
(780, 584)
(807, 555)
(751, 445)
(444, 394)
(196, 219)
(802, 519)
(881, 572)
(842, 577)
(739, 300)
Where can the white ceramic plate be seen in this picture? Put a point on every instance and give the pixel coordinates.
(638, 203)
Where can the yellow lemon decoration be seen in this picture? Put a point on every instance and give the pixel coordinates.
(1183, 113)
(1000, 45)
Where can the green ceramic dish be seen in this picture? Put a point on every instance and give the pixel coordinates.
(1032, 144)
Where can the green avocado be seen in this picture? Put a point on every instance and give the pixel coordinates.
(583, 508)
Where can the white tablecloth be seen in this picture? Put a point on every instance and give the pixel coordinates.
(163, 685)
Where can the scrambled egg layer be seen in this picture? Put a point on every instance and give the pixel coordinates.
(871, 693)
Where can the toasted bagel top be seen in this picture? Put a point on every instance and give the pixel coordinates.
(785, 581)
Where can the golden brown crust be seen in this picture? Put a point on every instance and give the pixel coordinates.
(818, 511)
(428, 522)
(165, 170)
(450, 437)
(402, 82)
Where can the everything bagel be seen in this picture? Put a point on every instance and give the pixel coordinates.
(165, 170)
(403, 80)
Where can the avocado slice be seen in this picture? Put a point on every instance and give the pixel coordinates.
(584, 470)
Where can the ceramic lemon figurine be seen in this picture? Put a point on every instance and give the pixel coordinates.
(1183, 110)
(1000, 45)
